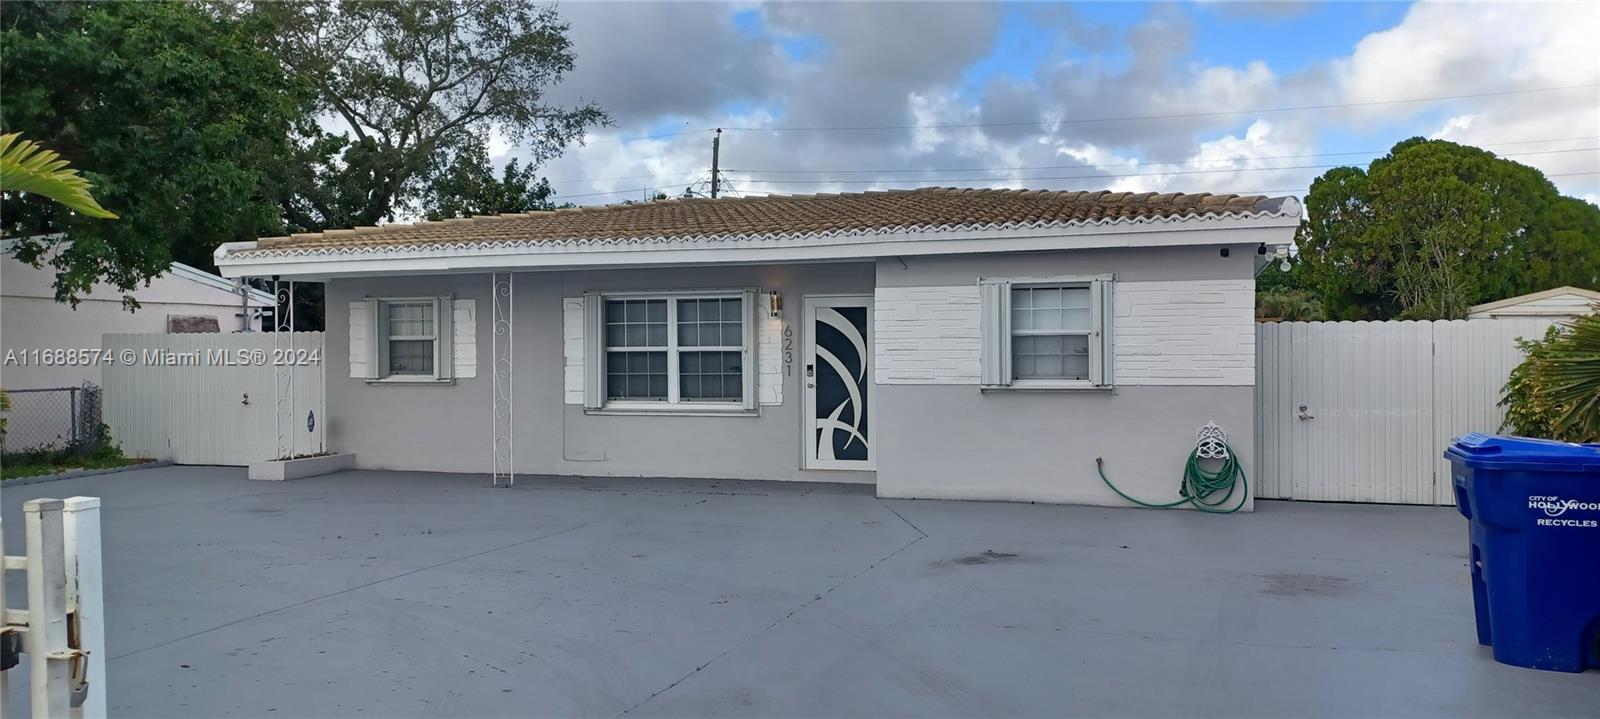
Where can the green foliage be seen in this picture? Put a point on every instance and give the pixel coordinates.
(466, 185)
(1434, 227)
(415, 85)
(1555, 392)
(173, 113)
(1287, 304)
(27, 167)
(100, 453)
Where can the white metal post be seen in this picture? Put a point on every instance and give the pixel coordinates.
(501, 297)
(46, 640)
(283, 386)
(81, 529)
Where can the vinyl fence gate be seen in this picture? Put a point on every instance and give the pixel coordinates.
(211, 398)
(1360, 411)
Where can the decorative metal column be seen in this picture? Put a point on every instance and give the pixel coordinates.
(283, 365)
(501, 289)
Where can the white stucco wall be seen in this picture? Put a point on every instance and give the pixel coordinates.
(1183, 343)
(447, 427)
(1182, 330)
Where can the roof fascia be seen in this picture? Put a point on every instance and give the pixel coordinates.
(309, 263)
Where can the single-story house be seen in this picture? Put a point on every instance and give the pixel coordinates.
(1560, 303)
(37, 328)
(940, 342)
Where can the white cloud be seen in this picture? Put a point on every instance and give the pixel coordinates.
(1442, 50)
(681, 67)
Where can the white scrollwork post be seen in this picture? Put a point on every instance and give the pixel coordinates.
(501, 289)
(283, 348)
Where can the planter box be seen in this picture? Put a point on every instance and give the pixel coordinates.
(281, 469)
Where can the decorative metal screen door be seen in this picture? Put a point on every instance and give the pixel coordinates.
(838, 421)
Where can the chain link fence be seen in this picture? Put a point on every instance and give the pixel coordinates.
(55, 419)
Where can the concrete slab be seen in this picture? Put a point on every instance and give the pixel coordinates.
(413, 594)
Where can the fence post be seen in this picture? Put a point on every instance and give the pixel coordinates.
(72, 415)
(46, 640)
(81, 530)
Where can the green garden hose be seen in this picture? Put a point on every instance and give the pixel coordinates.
(1199, 485)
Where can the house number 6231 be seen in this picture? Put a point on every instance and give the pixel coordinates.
(788, 351)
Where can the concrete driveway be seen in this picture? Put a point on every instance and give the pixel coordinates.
(407, 594)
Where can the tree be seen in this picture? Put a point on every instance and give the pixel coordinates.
(466, 185)
(1435, 227)
(411, 83)
(1290, 305)
(171, 111)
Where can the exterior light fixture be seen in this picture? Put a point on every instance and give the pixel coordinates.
(775, 304)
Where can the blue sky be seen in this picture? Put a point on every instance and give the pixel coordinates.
(984, 86)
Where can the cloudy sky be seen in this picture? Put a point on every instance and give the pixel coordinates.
(1214, 97)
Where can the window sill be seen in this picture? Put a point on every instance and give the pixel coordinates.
(658, 409)
(1048, 386)
(411, 381)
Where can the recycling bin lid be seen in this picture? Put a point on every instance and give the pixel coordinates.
(1523, 453)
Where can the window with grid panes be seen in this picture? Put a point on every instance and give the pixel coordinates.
(1050, 333)
(411, 333)
(674, 349)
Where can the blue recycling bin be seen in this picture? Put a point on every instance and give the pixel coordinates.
(1534, 511)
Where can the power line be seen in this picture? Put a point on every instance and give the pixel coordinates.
(1131, 162)
(1096, 176)
(611, 140)
(618, 192)
(1173, 116)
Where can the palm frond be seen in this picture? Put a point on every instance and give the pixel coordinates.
(27, 167)
(1573, 369)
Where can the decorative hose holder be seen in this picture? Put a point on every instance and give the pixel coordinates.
(1207, 490)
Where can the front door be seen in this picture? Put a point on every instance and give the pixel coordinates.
(838, 421)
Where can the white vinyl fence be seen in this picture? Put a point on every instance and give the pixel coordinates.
(1360, 411)
(209, 398)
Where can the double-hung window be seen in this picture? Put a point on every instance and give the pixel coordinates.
(1046, 334)
(411, 342)
(408, 339)
(690, 351)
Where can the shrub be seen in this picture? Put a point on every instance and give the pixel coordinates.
(1555, 392)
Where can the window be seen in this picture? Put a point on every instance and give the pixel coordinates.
(689, 350)
(1050, 332)
(1046, 334)
(412, 338)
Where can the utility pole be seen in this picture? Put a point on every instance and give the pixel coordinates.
(716, 149)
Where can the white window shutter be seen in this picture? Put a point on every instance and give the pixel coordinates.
(361, 330)
(594, 356)
(444, 346)
(464, 343)
(371, 340)
(1100, 312)
(747, 363)
(994, 300)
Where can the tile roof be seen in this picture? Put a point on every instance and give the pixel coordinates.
(926, 209)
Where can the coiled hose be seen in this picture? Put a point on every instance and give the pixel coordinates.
(1199, 485)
